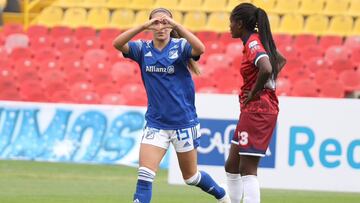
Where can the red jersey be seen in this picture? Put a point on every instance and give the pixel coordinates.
(265, 101)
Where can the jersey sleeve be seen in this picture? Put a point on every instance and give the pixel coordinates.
(186, 50)
(256, 51)
(134, 50)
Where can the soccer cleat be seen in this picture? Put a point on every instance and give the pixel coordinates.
(225, 199)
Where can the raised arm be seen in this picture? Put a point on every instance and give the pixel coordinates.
(121, 41)
(198, 47)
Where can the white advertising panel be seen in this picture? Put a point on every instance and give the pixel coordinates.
(316, 144)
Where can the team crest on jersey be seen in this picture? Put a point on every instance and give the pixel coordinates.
(254, 46)
(150, 133)
(173, 54)
(174, 47)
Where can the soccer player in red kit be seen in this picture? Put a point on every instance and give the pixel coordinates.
(260, 66)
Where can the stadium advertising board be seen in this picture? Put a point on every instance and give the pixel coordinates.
(71, 133)
(316, 144)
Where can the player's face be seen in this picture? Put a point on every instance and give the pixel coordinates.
(235, 29)
(160, 31)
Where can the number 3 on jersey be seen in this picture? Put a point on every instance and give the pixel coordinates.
(243, 138)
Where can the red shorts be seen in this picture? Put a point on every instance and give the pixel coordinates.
(253, 133)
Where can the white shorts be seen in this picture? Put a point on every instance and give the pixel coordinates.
(183, 140)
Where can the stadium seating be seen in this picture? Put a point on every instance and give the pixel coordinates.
(217, 21)
(189, 5)
(195, 21)
(177, 16)
(50, 16)
(68, 3)
(98, 18)
(335, 7)
(329, 40)
(334, 89)
(232, 3)
(350, 79)
(291, 23)
(356, 29)
(93, 3)
(305, 88)
(141, 4)
(16, 40)
(74, 17)
(141, 17)
(286, 6)
(117, 4)
(354, 8)
(267, 5)
(316, 25)
(213, 5)
(311, 7)
(169, 4)
(113, 99)
(340, 25)
(122, 19)
(274, 22)
(68, 52)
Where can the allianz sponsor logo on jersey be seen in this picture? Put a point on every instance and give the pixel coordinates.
(155, 69)
(216, 139)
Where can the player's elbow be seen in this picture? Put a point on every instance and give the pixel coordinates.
(198, 52)
(266, 70)
(202, 49)
(115, 44)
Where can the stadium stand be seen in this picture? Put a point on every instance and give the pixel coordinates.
(67, 50)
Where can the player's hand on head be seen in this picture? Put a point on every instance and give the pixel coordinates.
(150, 25)
(168, 22)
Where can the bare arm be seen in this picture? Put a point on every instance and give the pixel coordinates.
(265, 71)
(198, 47)
(282, 61)
(121, 41)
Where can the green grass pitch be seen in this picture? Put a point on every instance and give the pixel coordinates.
(34, 182)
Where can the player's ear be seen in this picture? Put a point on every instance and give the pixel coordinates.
(239, 25)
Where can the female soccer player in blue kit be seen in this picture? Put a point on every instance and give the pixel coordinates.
(171, 115)
(260, 66)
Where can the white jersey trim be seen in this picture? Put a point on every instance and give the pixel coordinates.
(138, 43)
(234, 142)
(259, 57)
(251, 154)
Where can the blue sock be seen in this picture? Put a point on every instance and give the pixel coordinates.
(143, 192)
(207, 184)
(144, 186)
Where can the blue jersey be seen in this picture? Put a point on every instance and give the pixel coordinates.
(168, 83)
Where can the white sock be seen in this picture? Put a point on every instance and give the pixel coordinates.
(251, 189)
(234, 187)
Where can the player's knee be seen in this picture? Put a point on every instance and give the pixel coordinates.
(248, 170)
(231, 167)
(193, 180)
(146, 174)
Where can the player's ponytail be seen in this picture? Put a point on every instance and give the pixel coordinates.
(193, 66)
(255, 19)
(267, 40)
